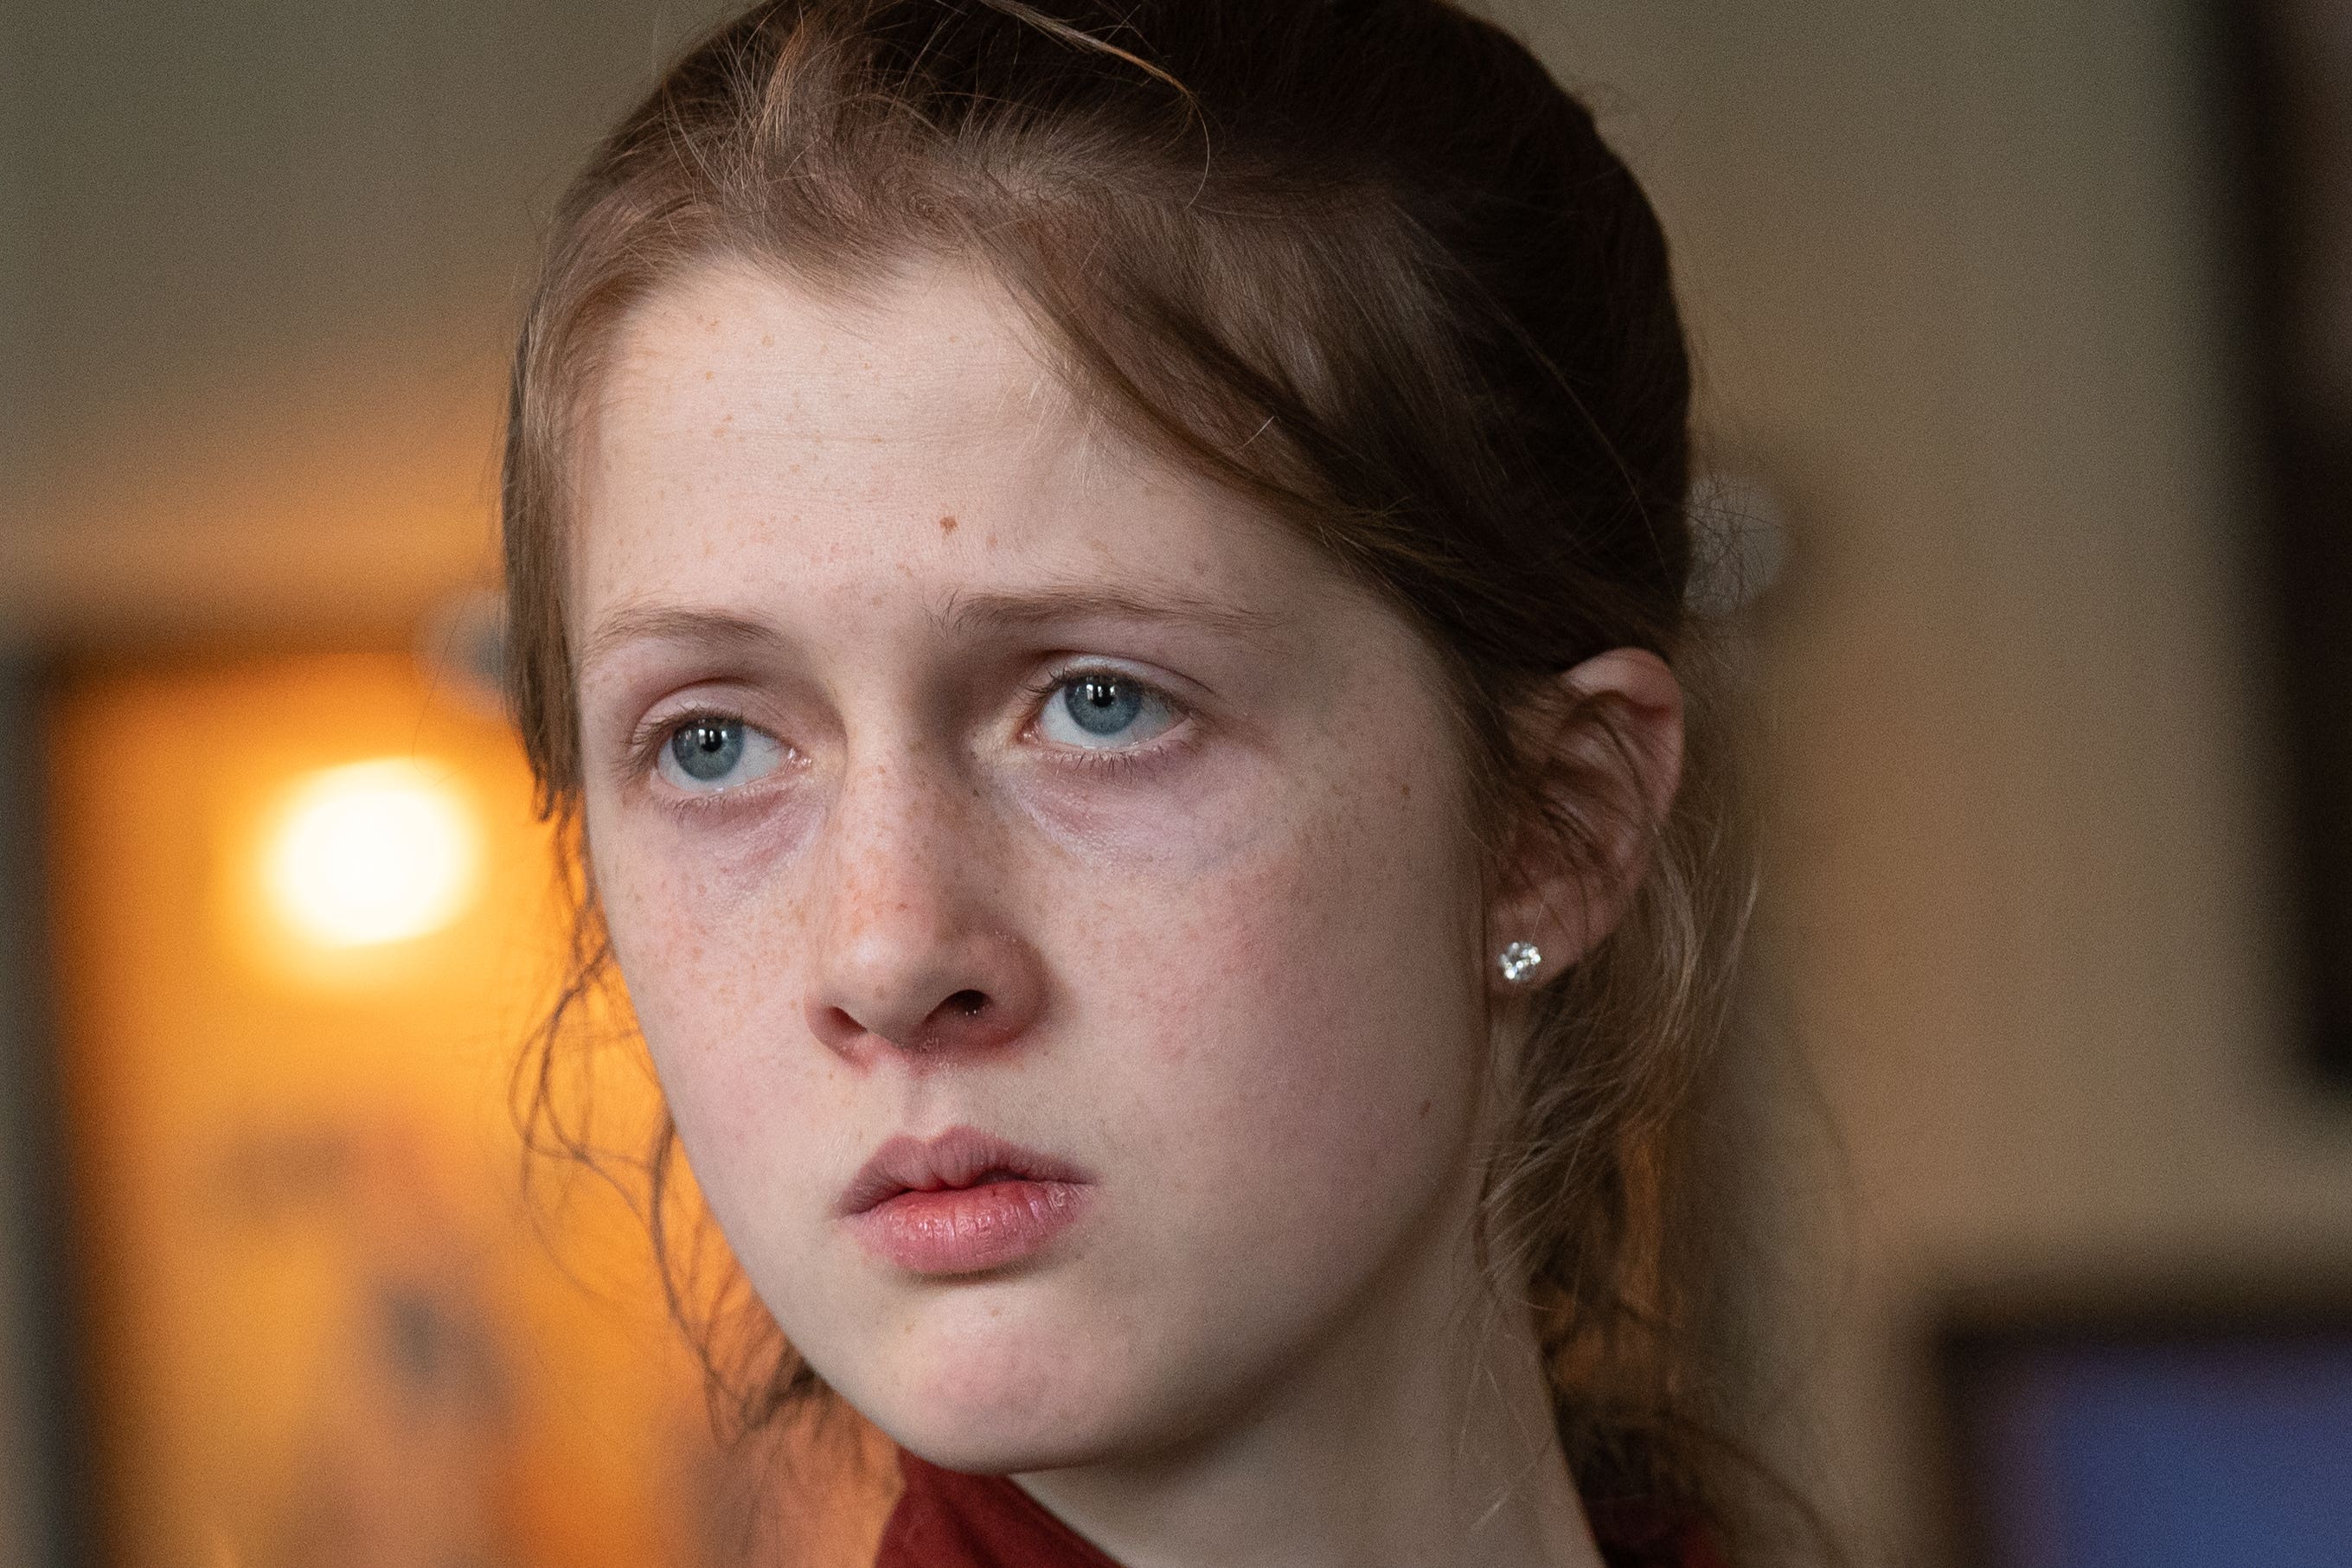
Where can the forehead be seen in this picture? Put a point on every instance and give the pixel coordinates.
(751, 434)
(925, 354)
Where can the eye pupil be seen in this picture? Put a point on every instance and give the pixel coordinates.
(1103, 705)
(707, 749)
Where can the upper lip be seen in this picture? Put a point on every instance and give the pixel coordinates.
(958, 1157)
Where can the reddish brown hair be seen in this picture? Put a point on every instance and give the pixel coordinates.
(1361, 262)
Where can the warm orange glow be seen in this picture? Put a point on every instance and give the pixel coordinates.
(372, 852)
(324, 1328)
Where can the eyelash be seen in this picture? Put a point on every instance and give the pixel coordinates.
(643, 755)
(643, 752)
(1111, 762)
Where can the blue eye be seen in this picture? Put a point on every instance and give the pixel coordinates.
(1100, 709)
(709, 754)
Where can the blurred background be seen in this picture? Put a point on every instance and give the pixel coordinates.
(2026, 342)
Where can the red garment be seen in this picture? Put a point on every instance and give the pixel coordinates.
(947, 1519)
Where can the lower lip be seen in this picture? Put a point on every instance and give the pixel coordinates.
(969, 1229)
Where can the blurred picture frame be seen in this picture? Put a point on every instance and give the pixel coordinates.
(2134, 1422)
(2284, 79)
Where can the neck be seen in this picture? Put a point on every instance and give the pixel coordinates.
(1372, 1452)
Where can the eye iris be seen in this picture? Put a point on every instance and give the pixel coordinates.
(707, 749)
(1102, 705)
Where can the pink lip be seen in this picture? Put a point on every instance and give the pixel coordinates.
(960, 1203)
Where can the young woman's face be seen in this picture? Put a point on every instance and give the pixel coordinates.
(1043, 883)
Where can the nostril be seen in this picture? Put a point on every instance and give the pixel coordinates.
(834, 1026)
(956, 1024)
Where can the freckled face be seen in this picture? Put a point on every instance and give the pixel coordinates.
(950, 765)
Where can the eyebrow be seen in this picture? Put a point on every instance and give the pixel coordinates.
(996, 612)
(963, 612)
(675, 624)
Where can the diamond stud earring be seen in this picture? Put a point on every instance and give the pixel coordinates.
(1518, 961)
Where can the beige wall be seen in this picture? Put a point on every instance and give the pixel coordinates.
(268, 258)
(1959, 295)
(1961, 288)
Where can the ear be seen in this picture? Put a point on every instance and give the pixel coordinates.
(1606, 752)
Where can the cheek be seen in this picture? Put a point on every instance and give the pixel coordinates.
(1311, 1038)
(711, 959)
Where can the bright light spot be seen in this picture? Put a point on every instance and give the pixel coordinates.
(373, 852)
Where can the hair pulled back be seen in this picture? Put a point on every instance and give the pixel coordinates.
(1361, 262)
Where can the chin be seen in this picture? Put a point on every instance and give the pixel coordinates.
(997, 1387)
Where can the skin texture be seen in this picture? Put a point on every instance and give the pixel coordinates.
(1231, 965)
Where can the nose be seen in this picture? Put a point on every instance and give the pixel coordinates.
(917, 954)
